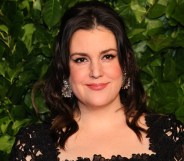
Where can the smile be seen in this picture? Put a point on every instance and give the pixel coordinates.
(97, 86)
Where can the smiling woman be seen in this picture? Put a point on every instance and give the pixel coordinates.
(95, 72)
(96, 98)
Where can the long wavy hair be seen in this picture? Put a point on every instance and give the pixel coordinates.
(87, 15)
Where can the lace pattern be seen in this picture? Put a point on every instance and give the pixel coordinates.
(166, 135)
(34, 143)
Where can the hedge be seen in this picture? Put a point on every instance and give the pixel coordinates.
(27, 34)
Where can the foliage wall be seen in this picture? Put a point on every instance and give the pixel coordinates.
(27, 33)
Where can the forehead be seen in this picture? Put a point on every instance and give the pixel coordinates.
(96, 39)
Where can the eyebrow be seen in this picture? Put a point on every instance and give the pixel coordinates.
(85, 54)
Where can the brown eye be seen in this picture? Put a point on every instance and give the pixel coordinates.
(108, 56)
(80, 60)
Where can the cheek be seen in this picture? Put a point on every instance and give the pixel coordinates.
(114, 71)
(77, 74)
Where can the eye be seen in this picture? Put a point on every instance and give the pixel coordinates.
(80, 60)
(108, 56)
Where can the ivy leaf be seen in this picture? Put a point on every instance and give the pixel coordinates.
(169, 72)
(179, 60)
(27, 36)
(37, 5)
(20, 123)
(4, 28)
(138, 10)
(18, 112)
(158, 9)
(178, 37)
(170, 8)
(159, 42)
(4, 85)
(3, 65)
(4, 123)
(13, 73)
(154, 27)
(41, 36)
(6, 143)
(52, 12)
(137, 34)
(40, 103)
(126, 12)
(178, 13)
(164, 97)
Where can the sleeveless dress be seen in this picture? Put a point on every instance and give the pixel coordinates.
(165, 133)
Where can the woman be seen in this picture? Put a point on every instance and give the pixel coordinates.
(97, 100)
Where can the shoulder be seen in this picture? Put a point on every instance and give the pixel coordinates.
(166, 125)
(34, 131)
(164, 122)
(35, 141)
(34, 134)
(166, 135)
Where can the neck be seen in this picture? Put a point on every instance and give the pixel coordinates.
(101, 117)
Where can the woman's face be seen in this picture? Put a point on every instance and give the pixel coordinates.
(95, 72)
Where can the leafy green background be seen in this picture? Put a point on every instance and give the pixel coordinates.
(27, 33)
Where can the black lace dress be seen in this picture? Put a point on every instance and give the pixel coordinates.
(165, 133)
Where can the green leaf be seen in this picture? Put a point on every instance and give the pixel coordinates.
(156, 62)
(46, 50)
(28, 29)
(159, 42)
(4, 123)
(178, 37)
(126, 12)
(6, 143)
(158, 9)
(40, 104)
(16, 93)
(126, 1)
(41, 36)
(169, 72)
(18, 112)
(170, 8)
(19, 55)
(164, 98)
(180, 93)
(52, 12)
(4, 40)
(140, 47)
(27, 100)
(136, 35)
(4, 28)
(139, 10)
(20, 123)
(178, 14)
(154, 27)
(2, 68)
(13, 73)
(37, 5)
(24, 5)
(17, 24)
(179, 60)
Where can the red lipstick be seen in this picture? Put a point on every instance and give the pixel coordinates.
(97, 86)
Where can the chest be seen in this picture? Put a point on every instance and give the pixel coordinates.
(106, 144)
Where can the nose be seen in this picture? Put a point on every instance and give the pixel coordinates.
(95, 70)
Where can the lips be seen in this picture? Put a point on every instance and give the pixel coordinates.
(97, 86)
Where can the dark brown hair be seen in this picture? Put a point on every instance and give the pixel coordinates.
(87, 15)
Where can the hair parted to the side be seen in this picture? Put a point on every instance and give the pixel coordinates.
(88, 15)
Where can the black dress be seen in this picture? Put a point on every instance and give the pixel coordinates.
(166, 135)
